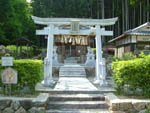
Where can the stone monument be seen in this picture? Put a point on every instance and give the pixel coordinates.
(55, 58)
(90, 61)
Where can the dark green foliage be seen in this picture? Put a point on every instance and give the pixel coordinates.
(30, 72)
(65, 8)
(15, 21)
(134, 73)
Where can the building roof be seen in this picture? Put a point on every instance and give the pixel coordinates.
(143, 30)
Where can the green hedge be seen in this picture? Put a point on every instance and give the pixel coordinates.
(30, 72)
(134, 73)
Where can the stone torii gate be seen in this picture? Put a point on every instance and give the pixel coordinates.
(53, 28)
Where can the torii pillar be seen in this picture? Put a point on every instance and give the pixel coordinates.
(48, 80)
(100, 76)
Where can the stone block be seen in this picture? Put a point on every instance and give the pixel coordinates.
(41, 100)
(4, 104)
(15, 105)
(26, 104)
(121, 105)
(8, 110)
(139, 105)
(21, 110)
(36, 110)
(114, 106)
(143, 111)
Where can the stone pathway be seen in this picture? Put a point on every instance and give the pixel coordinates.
(74, 84)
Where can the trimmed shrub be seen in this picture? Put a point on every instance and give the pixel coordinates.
(30, 72)
(133, 73)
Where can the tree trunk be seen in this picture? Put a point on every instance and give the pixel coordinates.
(123, 22)
(127, 17)
(98, 9)
(103, 9)
(134, 13)
(144, 13)
(148, 11)
(140, 12)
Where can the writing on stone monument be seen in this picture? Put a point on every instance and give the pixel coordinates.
(9, 76)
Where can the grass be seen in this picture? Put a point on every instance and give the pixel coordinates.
(31, 93)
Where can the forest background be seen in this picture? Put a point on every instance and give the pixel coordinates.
(16, 22)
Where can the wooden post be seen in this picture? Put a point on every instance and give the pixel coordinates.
(20, 51)
(17, 51)
(27, 50)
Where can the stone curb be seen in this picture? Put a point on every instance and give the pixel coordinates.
(11, 104)
(117, 105)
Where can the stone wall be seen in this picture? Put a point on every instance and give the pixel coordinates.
(23, 105)
(117, 105)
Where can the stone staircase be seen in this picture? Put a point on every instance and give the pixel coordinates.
(72, 69)
(74, 93)
(77, 103)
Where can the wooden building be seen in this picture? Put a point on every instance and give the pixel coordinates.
(135, 41)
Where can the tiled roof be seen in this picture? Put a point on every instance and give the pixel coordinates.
(135, 31)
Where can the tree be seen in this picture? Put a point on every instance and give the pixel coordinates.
(15, 20)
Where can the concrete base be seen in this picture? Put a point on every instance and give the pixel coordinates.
(103, 83)
(96, 81)
(49, 84)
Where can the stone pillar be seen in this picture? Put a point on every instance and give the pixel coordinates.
(98, 53)
(103, 73)
(48, 80)
(100, 63)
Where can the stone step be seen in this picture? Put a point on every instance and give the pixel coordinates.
(81, 76)
(72, 73)
(78, 111)
(72, 68)
(77, 105)
(55, 92)
(51, 91)
(77, 97)
(70, 61)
